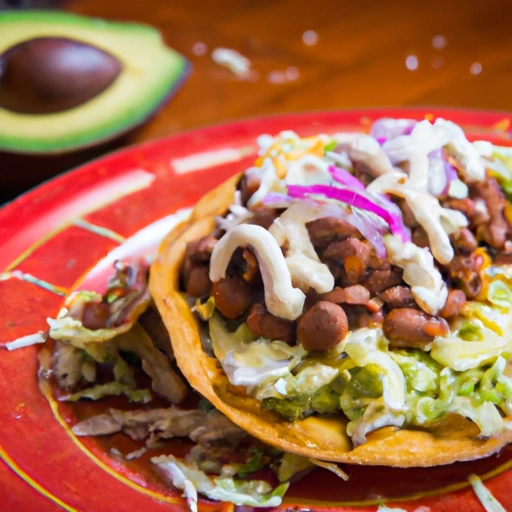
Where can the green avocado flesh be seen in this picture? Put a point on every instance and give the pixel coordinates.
(149, 72)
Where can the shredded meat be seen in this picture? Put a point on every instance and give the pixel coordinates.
(156, 424)
(406, 327)
(68, 366)
(153, 324)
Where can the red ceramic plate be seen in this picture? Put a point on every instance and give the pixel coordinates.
(53, 236)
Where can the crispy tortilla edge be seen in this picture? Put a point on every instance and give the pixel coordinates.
(319, 438)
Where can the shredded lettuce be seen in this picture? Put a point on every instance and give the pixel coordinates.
(292, 464)
(254, 493)
(500, 165)
(420, 370)
(72, 331)
(500, 294)
(369, 347)
(478, 337)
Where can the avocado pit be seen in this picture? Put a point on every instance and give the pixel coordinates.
(53, 74)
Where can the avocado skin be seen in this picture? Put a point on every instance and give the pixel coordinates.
(150, 74)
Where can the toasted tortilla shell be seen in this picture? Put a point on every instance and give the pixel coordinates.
(324, 438)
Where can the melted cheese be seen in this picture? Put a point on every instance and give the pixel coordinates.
(281, 298)
(427, 286)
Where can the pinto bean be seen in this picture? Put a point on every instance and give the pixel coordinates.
(264, 217)
(337, 295)
(361, 316)
(398, 297)
(465, 206)
(420, 237)
(233, 296)
(357, 294)
(407, 327)
(322, 327)
(456, 299)
(263, 323)
(464, 272)
(503, 258)
(341, 249)
(323, 231)
(494, 231)
(381, 280)
(354, 254)
(198, 282)
(463, 241)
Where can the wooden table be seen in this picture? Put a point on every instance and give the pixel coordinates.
(360, 53)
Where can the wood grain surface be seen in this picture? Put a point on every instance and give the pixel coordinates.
(459, 52)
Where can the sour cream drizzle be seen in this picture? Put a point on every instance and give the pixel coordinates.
(281, 298)
(304, 265)
(438, 222)
(427, 286)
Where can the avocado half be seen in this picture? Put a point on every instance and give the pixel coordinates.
(68, 81)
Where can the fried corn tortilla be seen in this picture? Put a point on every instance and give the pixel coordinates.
(454, 438)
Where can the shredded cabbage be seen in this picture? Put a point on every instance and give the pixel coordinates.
(368, 347)
(187, 477)
(488, 501)
(252, 364)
